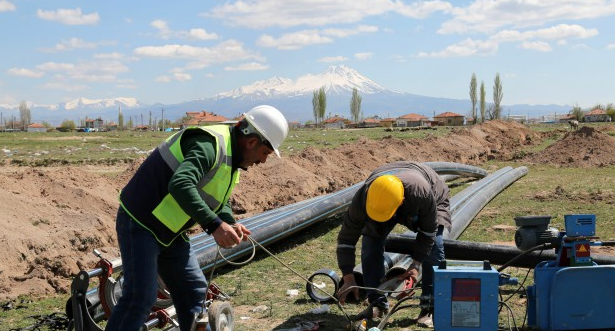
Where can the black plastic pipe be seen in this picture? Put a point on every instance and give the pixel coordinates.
(496, 254)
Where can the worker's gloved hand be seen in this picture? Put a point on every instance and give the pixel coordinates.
(226, 235)
(348, 286)
(242, 231)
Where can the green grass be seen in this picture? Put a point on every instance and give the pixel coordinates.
(65, 148)
(545, 190)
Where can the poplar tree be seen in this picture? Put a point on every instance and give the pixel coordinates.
(497, 96)
(483, 103)
(473, 96)
(322, 102)
(355, 105)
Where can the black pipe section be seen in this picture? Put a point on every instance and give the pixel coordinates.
(270, 227)
(496, 254)
(466, 213)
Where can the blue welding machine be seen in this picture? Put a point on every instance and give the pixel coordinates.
(573, 292)
(465, 296)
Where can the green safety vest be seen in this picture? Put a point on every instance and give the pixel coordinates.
(214, 188)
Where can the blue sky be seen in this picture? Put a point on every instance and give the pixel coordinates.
(546, 51)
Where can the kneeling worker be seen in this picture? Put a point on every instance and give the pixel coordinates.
(406, 193)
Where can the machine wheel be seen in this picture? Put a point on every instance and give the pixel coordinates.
(220, 315)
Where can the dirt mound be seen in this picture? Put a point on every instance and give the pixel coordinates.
(586, 147)
(52, 218)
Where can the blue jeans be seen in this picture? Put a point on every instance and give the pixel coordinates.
(372, 263)
(143, 259)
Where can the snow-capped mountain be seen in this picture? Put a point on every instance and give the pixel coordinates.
(292, 97)
(336, 80)
(101, 103)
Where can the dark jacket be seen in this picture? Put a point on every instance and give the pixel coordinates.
(425, 207)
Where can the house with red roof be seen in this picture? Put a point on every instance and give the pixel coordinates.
(596, 115)
(411, 120)
(35, 127)
(449, 119)
(203, 118)
(335, 122)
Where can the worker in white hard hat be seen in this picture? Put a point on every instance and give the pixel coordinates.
(405, 193)
(187, 180)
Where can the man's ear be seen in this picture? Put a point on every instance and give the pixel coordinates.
(251, 142)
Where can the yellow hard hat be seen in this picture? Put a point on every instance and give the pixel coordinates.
(384, 196)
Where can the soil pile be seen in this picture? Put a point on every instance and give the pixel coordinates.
(586, 147)
(52, 218)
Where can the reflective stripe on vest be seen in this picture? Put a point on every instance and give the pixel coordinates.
(214, 188)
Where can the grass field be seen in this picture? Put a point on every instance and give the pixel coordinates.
(546, 190)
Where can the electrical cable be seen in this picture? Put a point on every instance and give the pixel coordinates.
(541, 247)
(510, 315)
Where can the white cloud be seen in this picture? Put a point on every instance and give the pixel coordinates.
(329, 59)
(6, 6)
(165, 32)
(296, 40)
(64, 87)
(95, 71)
(610, 46)
(68, 16)
(109, 56)
(257, 14)
(182, 76)
(487, 16)
(363, 56)
(198, 34)
(540, 46)
(342, 33)
(530, 40)
(53, 66)
(70, 44)
(300, 39)
(252, 66)
(466, 47)
(176, 75)
(561, 31)
(200, 57)
(22, 72)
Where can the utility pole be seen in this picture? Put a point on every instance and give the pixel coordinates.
(162, 119)
(150, 121)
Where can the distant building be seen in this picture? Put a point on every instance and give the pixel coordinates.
(411, 120)
(369, 123)
(388, 122)
(565, 119)
(596, 115)
(203, 118)
(94, 124)
(450, 119)
(516, 118)
(335, 122)
(35, 127)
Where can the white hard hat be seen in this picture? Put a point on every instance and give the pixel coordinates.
(269, 123)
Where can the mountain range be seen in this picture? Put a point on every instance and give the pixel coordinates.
(292, 97)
